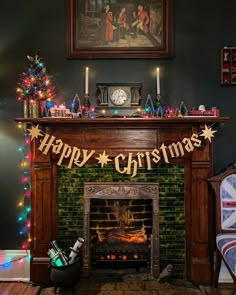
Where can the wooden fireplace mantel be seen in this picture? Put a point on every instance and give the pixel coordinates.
(126, 135)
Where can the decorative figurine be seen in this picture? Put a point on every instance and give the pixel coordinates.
(226, 55)
(76, 108)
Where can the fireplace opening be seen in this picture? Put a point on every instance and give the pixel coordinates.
(172, 223)
(121, 226)
(120, 232)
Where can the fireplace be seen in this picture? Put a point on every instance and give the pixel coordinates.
(121, 226)
(126, 135)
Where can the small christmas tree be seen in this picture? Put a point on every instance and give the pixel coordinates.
(76, 105)
(35, 84)
(76, 108)
(149, 108)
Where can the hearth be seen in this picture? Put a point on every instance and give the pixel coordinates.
(121, 226)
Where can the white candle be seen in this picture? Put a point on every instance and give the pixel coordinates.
(158, 80)
(86, 80)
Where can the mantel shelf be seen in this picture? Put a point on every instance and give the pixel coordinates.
(130, 121)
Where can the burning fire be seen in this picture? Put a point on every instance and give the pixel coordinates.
(121, 235)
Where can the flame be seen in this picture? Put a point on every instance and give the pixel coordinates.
(132, 236)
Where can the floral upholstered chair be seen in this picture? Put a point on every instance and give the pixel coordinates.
(224, 185)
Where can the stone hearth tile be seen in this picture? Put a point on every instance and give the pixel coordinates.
(163, 286)
(181, 290)
(193, 291)
(86, 292)
(109, 292)
(168, 292)
(131, 285)
(86, 284)
(138, 293)
(108, 286)
(152, 285)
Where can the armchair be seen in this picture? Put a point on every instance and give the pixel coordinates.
(224, 186)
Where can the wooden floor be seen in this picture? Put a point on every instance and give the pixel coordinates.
(228, 289)
(9, 288)
(124, 288)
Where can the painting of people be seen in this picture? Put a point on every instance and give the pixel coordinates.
(119, 25)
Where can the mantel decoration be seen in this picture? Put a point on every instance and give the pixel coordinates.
(35, 88)
(119, 30)
(124, 164)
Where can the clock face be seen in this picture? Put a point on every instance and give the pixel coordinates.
(119, 96)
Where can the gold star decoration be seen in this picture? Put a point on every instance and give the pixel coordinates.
(207, 133)
(34, 132)
(103, 159)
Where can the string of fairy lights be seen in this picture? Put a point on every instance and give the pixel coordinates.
(23, 205)
(34, 86)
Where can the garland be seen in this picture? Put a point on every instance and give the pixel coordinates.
(124, 164)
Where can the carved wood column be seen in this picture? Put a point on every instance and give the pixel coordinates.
(202, 216)
(44, 212)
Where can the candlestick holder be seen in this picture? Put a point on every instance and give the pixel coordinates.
(159, 108)
(158, 100)
(86, 104)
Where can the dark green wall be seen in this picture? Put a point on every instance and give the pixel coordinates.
(201, 28)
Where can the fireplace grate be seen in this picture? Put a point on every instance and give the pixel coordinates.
(116, 258)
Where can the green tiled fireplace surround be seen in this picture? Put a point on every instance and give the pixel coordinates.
(171, 200)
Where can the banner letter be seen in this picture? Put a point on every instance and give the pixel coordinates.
(117, 163)
(65, 153)
(129, 165)
(46, 145)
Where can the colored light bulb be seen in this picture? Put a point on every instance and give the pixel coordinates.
(28, 194)
(6, 265)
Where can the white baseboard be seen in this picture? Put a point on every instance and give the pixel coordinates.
(16, 271)
(224, 277)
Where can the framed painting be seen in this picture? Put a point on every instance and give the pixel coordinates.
(119, 28)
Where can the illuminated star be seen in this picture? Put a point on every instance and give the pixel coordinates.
(208, 133)
(35, 132)
(103, 159)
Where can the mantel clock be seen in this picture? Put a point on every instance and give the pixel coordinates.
(122, 98)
